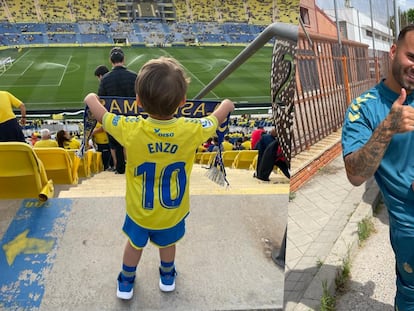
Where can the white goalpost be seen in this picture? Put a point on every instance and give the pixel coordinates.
(5, 63)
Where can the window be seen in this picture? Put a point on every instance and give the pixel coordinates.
(304, 15)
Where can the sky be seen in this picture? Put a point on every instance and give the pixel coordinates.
(379, 7)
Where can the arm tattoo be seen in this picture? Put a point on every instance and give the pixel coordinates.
(366, 160)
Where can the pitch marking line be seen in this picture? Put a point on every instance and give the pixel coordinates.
(64, 71)
(4, 73)
(193, 75)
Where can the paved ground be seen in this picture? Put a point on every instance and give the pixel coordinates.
(372, 283)
(66, 254)
(322, 230)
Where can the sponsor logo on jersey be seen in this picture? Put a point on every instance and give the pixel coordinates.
(158, 132)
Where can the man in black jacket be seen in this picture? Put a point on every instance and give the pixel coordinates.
(118, 82)
(269, 155)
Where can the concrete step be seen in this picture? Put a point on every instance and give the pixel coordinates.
(108, 184)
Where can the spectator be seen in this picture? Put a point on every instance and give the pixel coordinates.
(215, 145)
(65, 140)
(45, 140)
(227, 145)
(118, 82)
(239, 145)
(208, 143)
(100, 71)
(34, 138)
(247, 144)
(100, 137)
(10, 129)
(269, 155)
(256, 135)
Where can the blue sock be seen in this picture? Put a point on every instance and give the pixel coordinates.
(167, 266)
(128, 273)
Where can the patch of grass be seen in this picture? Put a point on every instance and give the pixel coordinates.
(58, 78)
(343, 275)
(319, 263)
(365, 229)
(328, 301)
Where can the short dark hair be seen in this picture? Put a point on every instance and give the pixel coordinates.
(101, 70)
(116, 55)
(404, 31)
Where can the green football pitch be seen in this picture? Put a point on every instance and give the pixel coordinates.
(57, 78)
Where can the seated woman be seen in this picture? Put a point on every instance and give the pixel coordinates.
(65, 140)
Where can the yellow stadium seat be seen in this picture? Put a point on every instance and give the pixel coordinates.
(97, 163)
(58, 164)
(244, 159)
(253, 165)
(22, 174)
(228, 157)
(85, 163)
(198, 156)
(208, 157)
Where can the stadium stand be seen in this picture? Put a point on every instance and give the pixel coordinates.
(154, 23)
(228, 157)
(182, 11)
(96, 162)
(21, 11)
(253, 165)
(54, 11)
(22, 173)
(207, 158)
(232, 11)
(85, 163)
(244, 159)
(58, 165)
(203, 11)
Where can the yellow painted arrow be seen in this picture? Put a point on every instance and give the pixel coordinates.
(24, 245)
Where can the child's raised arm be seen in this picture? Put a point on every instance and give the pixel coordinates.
(223, 110)
(97, 109)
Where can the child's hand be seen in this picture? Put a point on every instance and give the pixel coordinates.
(223, 110)
(95, 106)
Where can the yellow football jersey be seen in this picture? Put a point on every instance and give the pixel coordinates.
(73, 143)
(100, 137)
(160, 157)
(46, 143)
(7, 103)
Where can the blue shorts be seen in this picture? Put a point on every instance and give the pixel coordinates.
(138, 236)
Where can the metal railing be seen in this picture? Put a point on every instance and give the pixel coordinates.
(327, 79)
